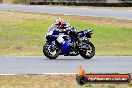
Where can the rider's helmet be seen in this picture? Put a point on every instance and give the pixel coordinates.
(59, 21)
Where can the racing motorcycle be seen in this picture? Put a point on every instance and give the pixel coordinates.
(68, 43)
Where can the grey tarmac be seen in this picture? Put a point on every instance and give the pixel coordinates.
(64, 64)
(120, 14)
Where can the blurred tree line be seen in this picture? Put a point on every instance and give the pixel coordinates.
(18, 1)
(73, 2)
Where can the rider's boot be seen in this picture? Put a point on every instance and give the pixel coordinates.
(73, 49)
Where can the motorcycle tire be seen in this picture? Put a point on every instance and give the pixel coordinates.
(46, 53)
(83, 53)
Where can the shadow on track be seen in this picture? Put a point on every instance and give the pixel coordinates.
(68, 58)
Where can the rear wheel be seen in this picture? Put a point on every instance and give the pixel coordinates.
(88, 52)
(51, 52)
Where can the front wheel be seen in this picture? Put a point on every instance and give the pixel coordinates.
(51, 52)
(87, 51)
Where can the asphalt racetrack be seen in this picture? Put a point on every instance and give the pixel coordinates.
(121, 14)
(64, 64)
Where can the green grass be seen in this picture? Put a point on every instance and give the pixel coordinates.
(23, 34)
(50, 81)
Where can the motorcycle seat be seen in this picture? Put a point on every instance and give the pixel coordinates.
(80, 32)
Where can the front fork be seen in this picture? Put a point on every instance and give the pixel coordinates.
(52, 46)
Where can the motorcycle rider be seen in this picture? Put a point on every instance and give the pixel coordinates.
(61, 25)
(64, 27)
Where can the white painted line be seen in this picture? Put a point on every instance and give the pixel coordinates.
(40, 74)
(7, 74)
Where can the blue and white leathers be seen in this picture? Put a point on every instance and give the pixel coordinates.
(53, 35)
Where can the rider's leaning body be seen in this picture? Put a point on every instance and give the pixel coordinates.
(61, 27)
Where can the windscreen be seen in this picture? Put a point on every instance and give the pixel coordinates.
(51, 30)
